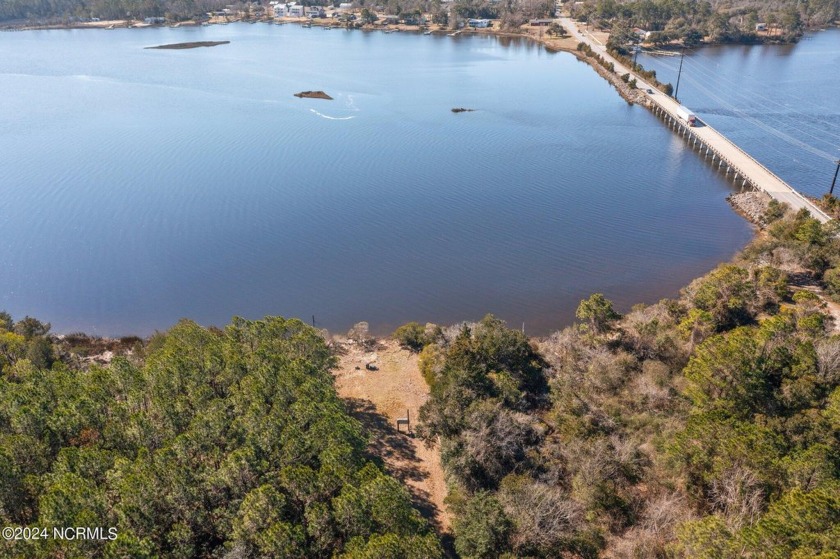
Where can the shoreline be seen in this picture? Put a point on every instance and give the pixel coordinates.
(328, 22)
(537, 35)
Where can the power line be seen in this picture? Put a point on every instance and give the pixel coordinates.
(715, 76)
(764, 126)
(699, 54)
(712, 76)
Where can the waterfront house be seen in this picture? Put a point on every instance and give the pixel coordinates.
(541, 22)
(479, 23)
(295, 10)
(154, 20)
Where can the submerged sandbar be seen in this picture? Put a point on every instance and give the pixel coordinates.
(193, 45)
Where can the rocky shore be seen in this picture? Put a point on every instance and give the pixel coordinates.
(751, 205)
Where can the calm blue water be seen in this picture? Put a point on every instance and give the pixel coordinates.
(781, 103)
(141, 186)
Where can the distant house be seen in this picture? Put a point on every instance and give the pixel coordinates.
(295, 11)
(479, 23)
(389, 20)
(154, 20)
(541, 22)
(315, 11)
(345, 5)
(279, 10)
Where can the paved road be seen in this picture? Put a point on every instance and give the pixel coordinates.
(741, 161)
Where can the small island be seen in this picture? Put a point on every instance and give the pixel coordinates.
(313, 95)
(193, 45)
(462, 110)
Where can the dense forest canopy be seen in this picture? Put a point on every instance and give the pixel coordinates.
(207, 444)
(657, 14)
(60, 10)
(721, 21)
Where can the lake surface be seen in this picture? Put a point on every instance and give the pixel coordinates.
(779, 102)
(141, 186)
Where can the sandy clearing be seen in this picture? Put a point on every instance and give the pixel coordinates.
(378, 398)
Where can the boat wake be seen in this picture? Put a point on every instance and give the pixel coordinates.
(351, 106)
(328, 117)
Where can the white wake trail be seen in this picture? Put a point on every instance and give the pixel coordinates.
(331, 117)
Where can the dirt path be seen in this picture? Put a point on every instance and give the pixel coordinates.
(834, 310)
(377, 399)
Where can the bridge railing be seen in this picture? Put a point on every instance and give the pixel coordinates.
(810, 204)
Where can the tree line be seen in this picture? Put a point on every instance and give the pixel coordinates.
(76, 10)
(667, 20)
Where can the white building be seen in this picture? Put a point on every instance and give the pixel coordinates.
(295, 11)
(480, 23)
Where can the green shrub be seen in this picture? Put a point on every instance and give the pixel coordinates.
(597, 311)
(482, 530)
(832, 282)
(411, 336)
(775, 211)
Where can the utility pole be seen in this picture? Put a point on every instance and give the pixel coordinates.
(635, 56)
(677, 90)
(833, 182)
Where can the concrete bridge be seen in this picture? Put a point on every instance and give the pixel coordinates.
(724, 154)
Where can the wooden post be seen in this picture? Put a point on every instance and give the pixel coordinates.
(405, 421)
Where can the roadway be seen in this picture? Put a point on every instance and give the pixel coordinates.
(741, 162)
